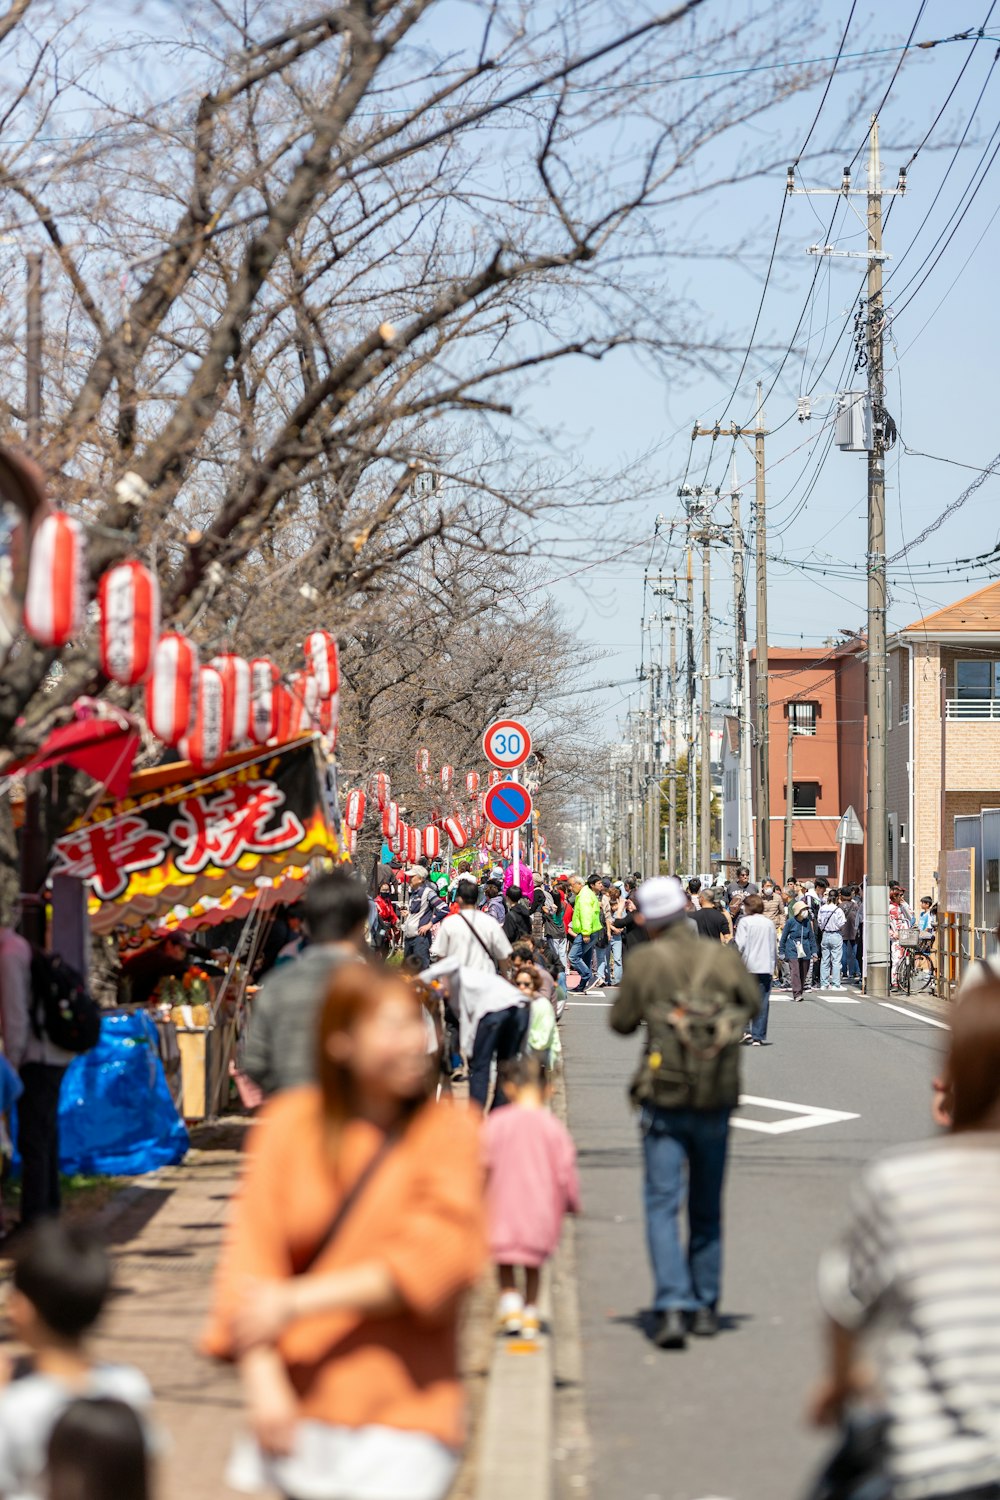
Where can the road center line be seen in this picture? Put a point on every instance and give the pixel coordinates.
(915, 1015)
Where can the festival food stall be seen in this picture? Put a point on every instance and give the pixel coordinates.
(186, 852)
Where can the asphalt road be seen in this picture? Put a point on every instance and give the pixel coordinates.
(725, 1417)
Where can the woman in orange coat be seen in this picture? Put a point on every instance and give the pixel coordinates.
(357, 1228)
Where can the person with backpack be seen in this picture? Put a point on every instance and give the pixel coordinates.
(423, 908)
(48, 1018)
(696, 1001)
(831, 926)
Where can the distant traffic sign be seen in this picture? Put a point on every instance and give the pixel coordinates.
(849, 830)
(507, 805)
(507, 744)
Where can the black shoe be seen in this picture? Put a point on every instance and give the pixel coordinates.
(671, 1329)
(705, 1323)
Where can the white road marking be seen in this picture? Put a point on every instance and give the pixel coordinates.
(840, 1000)
(915, 1015)
(595, 1004)
(801, 1116)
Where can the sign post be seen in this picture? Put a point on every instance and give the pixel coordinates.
(507, 745)
(849, 831)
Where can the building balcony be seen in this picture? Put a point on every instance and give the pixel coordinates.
(972, 708)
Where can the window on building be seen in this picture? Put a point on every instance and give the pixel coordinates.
(803, 717)
(805, 795)
(974, 680)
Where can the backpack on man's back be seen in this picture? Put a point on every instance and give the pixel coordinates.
(62, 1008)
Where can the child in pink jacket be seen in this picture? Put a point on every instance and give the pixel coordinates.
(531, 1183)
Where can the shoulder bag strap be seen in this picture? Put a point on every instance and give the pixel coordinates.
(347, 1203)
(472, 928)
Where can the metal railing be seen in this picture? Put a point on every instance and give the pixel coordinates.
(972, 708)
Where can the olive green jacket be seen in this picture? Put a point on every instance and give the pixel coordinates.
(696, 1000)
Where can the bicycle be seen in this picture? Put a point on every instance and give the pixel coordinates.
(917, 972)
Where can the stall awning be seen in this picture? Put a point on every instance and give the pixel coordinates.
(104, 748)
(179, 839)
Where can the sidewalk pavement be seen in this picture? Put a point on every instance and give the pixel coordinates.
(164, 1232)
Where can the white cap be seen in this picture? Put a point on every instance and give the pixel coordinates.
(661, 898)
(416, 870)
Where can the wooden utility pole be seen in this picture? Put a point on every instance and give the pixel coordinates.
(33, 847)
(762, 790)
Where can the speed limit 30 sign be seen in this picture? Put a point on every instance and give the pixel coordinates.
(507, 744)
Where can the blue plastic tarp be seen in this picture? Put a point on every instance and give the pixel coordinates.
(116, 1116)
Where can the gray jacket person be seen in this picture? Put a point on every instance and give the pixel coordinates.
(282, 1041)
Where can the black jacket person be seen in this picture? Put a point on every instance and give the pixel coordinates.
(695, 1000)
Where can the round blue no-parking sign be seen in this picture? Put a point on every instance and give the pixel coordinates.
(507, 805)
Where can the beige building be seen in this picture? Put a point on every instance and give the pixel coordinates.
(944, 732)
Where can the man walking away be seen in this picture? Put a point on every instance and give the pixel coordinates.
(758, 945)
(493, 905)
(710, 920)
(585, 926)
(850, 969)
(831, 926)
(423, 908)
(280, 1050)
(471, 936)
(517, 921)
(696, 1000)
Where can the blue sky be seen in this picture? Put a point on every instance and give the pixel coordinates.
(940, 357)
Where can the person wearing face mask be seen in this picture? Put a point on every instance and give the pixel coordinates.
(774, 906)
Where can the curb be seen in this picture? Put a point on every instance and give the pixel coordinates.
(530, 1431)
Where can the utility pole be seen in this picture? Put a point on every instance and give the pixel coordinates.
(789, 810)
(740, 620)
(762, 790)
(705, 863)
(672, 859)
(761, 696)
(33, 847)
(877, 963)
(877, 916)
(692, 844)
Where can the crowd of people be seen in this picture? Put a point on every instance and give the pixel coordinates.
(374, 1194)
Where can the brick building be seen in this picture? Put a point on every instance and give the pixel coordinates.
(942, 764)
(822, 691)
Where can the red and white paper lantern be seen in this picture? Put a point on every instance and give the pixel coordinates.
(447, 777)
(381, 789)
(423, 761)
(305, 691)
(402, 837)
(432, 842)
(494, 778)
(172, 687)
(354, 813)
(323, 662)
(414, 845)
(351, 841)
(390, 820)
(55, 597)
(472, 783)
(209, 736)
(235, 674)
(129, 599)
(264, 679)
(455, 830)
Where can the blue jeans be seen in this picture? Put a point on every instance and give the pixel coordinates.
(615, 961)
(831, 947)
(581, 956)
(675, 1140)
(849, 966)
(758, 1026)
(601, 959)
(500, 1034)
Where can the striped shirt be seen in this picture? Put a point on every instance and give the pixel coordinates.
(922, 1262)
